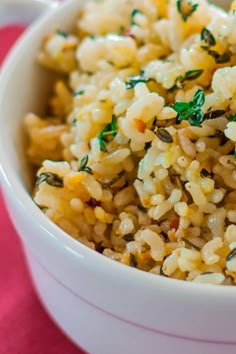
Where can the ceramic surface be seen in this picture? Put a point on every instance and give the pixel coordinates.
(105, 307)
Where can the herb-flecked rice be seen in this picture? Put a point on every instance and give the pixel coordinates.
(136, 157)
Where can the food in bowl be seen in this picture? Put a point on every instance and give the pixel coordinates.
(136, 155)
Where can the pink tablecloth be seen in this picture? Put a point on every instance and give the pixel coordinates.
(24, 326)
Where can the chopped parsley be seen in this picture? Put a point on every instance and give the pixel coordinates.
(109, 130)
(83, 165)
(189, 75)
(134, 80)
(191, 111)
(50, 178)
(186, 8)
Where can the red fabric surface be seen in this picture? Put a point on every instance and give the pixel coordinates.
(24, 326)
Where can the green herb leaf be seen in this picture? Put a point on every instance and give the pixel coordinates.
(101, 142)
(164, 135)
(235, 154)
(192, 110)
(109, 130)
(79, 93)
(84, 161)
(232, 117)
(62, 34)
(186, 9)
(122, 29)
(50, 178)
(133, 14)
(231, 255)
(199, 98)
(113, 180)
(189, 243)
(193, 74)
(134, 80)
(208, 38)
(83, 165)
(220, 58)
(74, 121)
(214, 114)
(189, 75)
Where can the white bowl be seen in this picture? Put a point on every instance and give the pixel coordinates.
(103, 306)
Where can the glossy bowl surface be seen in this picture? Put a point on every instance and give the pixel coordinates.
(103, 306)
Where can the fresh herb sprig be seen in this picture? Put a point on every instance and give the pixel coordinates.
(51, 179)
(191, 111)
(207, 37)
(189, 76)
(83, 165)
(186, 9)
(109, 130)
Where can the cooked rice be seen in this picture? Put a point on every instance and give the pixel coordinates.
(118, 168)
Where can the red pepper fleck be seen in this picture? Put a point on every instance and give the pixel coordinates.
(174, 224)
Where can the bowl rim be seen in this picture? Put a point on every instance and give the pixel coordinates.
(11, 183)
